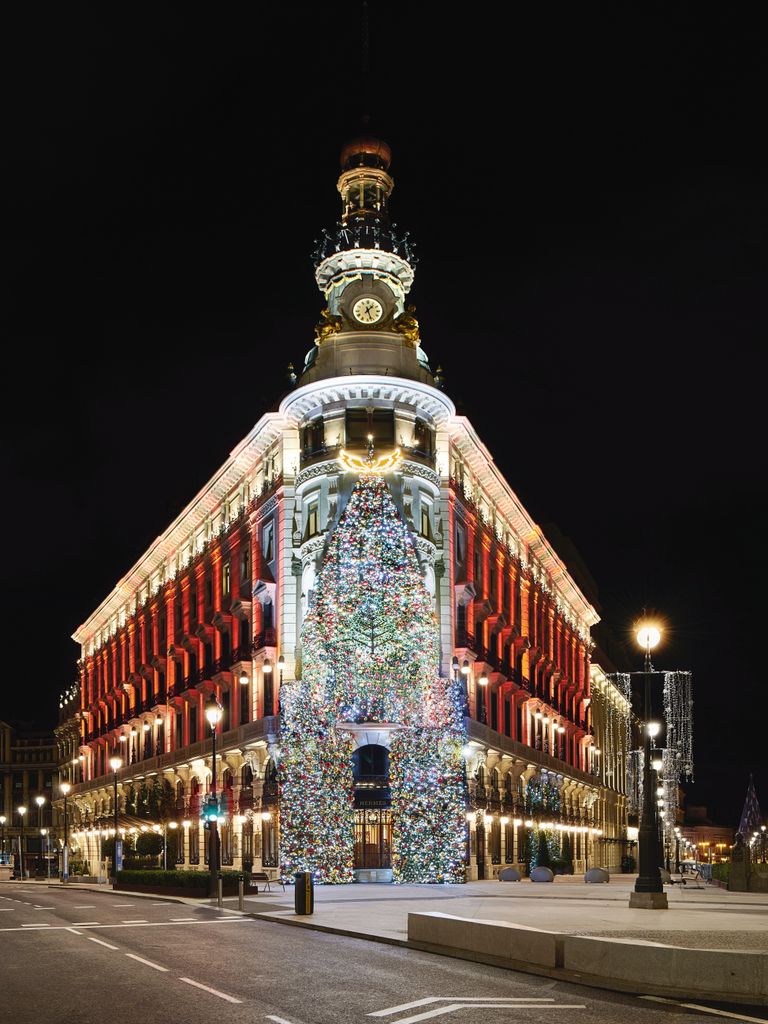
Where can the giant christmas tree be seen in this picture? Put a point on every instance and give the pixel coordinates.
(371, 654)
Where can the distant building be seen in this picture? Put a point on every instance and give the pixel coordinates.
(28, 767)
(707, 842)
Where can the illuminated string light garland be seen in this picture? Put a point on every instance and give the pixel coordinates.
(370, 654)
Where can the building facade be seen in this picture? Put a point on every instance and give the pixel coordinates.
(219, 602)
(29, 766)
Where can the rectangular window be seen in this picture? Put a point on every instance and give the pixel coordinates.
(268, 541)
(269, 855)
(245, 559)
(194, 842)
(461, 545)
(226, 578)
(425, 517)
(378, 423)
(423, 439)
(193, 723)
(312, 525)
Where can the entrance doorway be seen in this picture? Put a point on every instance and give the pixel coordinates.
(373, 838)
(373, 817)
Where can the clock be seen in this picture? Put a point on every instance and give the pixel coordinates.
(367, 310)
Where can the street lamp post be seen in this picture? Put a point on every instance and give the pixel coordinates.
(44, 834)
(40, 800)
(22, 811)
(65, 788)
(649, 892)
(677, 849)
(116, 763)
(213, 713)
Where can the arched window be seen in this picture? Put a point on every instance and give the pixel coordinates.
(370, 762)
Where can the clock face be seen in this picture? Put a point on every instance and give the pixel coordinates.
(367, 310)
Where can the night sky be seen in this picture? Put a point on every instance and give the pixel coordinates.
(588, 200)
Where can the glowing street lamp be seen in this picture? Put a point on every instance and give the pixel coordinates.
(649, 890)
(213, 714)
(21, 812)
(65, 787)
(116, 763)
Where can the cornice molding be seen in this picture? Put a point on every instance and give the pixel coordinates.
(307, 400)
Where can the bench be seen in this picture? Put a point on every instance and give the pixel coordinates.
(667, 878)
(263, 878)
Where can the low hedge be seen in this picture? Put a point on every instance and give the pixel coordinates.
(175, 879)
(720, 872)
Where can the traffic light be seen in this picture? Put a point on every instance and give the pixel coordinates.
(211, 811)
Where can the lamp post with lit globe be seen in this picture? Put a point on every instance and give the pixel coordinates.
(65, 788)
(213, 713)
(116, 763)
(649, 890)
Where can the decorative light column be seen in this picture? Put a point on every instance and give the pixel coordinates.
(649, 892)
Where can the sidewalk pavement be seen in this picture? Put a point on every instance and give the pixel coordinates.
(710, 918)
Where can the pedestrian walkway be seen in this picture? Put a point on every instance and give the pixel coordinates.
(699, 918)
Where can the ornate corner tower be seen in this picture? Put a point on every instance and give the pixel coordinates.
(364, 269)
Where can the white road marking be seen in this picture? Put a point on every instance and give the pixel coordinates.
(7, 910)
(457, 999)
(149, 963)
(102, 943)
(74, 932)
(187, 919)
(705, 1009)
(43, 908)
(213, 991)
(440, 1011)
(277, 1020)
(161, 904)
(138, 920)
(150, 924)
(123, 904)
(84, 906)
(84, 924)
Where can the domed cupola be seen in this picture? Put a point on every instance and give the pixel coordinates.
(365, 268)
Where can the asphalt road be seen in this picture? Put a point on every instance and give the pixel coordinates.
(77, 956)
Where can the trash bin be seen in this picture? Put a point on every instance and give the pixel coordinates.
(304, 894)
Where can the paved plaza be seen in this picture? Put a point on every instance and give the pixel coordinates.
(709, 917)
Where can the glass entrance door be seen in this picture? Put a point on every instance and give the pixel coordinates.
(373, 838)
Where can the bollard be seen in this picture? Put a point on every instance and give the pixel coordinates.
(240, 888)
(221, 892)
(304, 895)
